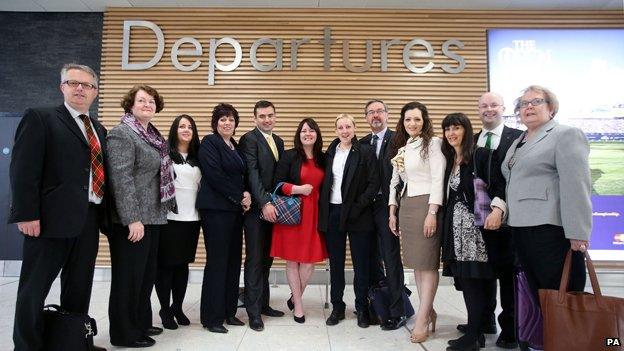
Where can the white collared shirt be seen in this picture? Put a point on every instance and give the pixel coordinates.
(497, 133)
(338, 166)
(75, 114)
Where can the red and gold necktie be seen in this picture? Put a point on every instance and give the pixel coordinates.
(97, 158)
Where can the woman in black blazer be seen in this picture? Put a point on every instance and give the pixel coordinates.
(465, 245)
(350, 185)
(221, 201)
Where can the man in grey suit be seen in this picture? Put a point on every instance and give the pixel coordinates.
(262, 149)
(497, 136)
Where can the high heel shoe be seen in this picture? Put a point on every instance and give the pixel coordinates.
(166, 315)
(433, 317)
(180, 316)
(290, 303)
(417, 338)
(299, 320)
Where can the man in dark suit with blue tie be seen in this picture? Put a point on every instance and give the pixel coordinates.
(496, 135)
(385, 244)
(58, 181)
(262, 149)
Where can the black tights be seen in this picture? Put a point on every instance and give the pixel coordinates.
(172, 281)
(475, 297)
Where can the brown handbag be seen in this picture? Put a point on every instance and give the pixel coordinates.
(578, 320)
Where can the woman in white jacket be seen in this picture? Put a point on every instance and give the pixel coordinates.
(418, 173)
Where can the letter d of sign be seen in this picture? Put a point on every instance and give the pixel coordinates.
(125, 65)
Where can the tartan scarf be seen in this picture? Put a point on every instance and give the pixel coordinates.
(153, 137)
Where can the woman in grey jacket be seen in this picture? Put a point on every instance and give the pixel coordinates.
(141, 175)
(548, 192)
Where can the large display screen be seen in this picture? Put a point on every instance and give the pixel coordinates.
(585, 69)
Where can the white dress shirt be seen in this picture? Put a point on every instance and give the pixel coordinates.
(380, 135)
(338, 166)
(497, 133)
(75, 114)
(186, 186)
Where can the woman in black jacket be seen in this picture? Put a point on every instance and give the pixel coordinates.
(350, 185)
(221, 201)
(465, 243)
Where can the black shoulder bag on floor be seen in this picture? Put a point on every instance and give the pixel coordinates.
(65, 330)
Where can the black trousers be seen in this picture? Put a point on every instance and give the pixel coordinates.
(390, 248)
(258, 261)
(359, 242)
(133, 268)
(223, 238)
(475, 297)
(43, 259)
(541, 252)
(502, 257)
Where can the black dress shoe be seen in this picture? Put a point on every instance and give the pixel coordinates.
(98, 348)
(234, 321)
(486, 329)
(145, 341)
(468, 347)
(362, 319)
(268, 311)
(335, 317)
(151, 331)
(290, 303)
(217, 329)
(166, 315)
(299, 320)
(462, 340)
(180, 316)
(256, 323)
(394, 323)
(373, 319)
(506, 343)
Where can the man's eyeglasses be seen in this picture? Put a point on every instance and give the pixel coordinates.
(75, 84)
(374, 112)
(534, 102)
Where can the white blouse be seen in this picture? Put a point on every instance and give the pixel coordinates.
(186, 186)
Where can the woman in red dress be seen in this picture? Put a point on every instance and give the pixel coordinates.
(301, 170)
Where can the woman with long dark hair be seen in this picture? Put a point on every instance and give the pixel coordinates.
(418, 162)
(178, 239)
(301, 170)
(465, 249)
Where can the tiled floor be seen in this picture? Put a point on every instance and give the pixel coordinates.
(280, 333)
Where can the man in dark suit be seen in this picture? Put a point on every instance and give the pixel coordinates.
(495, 135)
(388, 244)
(57, 183)
(262, 149)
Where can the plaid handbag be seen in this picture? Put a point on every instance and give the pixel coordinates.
(288, 207)
(482, 200)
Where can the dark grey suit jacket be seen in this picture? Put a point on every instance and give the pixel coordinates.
(50, 166)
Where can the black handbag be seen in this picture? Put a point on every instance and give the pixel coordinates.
(379, 301)
(65, 330)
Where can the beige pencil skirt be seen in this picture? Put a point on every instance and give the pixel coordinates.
(419, 252)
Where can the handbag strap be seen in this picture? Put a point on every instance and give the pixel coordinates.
(279, 185)
(489, 164)
(565, 278)
(54, 306)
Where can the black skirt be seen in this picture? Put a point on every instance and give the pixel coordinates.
(178, 243)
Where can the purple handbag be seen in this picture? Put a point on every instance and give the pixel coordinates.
(288, 207)
(482, 200)
(529, 323)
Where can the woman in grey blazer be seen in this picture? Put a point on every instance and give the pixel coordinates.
(548, 192)
(141, 175)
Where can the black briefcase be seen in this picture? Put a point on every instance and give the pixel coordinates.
(379, 301)
(65, 330)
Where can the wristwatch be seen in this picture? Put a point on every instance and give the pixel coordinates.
(433, 213)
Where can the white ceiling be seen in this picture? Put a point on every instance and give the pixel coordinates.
(100, 5)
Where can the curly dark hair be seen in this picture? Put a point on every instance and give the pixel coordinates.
(221, 110)
(317, 149)
(400, 137)
(128, 100)
(467, 144)
(173, 142)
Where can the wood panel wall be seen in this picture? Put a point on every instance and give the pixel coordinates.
(310, 91)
